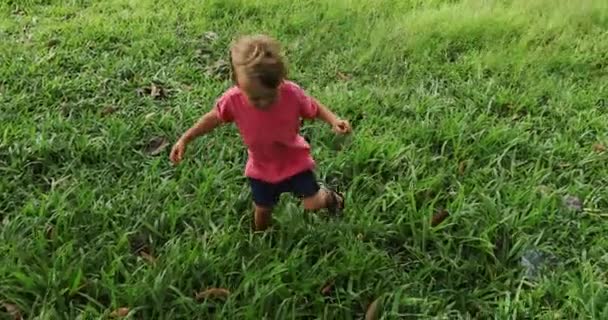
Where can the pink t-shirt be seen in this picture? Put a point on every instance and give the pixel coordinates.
(276, 149)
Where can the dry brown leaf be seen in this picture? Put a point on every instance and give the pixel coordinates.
(462, 166)
(12, 310)
(212, 293)
(599, 148)
(203, 54)
(373, 310)
(148, 257)
(108, 110)
(209, 36)
(544, 190)
(49, 231)
(149, 115)
(219, 69)
(120, 312)
(156, 145)
(53, 42)
(439, 216)
(18, 12)
(328, 287)
(342, 76)
(156, 91)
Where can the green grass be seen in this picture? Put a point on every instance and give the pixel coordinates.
(488, 108)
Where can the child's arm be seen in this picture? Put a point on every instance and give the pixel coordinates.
(204, 125)
(338, 125)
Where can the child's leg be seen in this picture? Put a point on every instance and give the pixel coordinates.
(265, 197)
(262, 218)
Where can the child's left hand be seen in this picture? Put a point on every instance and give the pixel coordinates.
(341, 127)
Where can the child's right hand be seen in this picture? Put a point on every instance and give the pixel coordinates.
(177, 152)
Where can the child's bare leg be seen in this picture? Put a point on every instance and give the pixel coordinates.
(262, 218)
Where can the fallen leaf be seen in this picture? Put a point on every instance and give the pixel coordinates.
(12, 310)
(138, 243)
(373, 310)
(342, 76)
(209, 36)
(69, 16)
(156, 91)
(53, 42)
(328, 287)
(599, 148)
(156, 145)
(203, 53)
(120, 312)
(573, 203)
(18, 12)
(218, 69)
(149, 115)
(212, 293)
(108, 110)
(439, 216)
(462, 166)
(544, 190)
(140, 246)
(49, 230)
(148, 257)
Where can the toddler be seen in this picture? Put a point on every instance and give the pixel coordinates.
(267, 110)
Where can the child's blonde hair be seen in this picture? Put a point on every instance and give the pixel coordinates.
(258, 57)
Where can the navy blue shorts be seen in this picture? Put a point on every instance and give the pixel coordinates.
(302, 185)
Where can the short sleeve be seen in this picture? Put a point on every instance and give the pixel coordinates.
(225, 108)
(309, 107)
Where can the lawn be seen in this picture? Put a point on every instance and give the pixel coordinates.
(494, 111)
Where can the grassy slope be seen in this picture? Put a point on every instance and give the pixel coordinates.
(513, 92)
